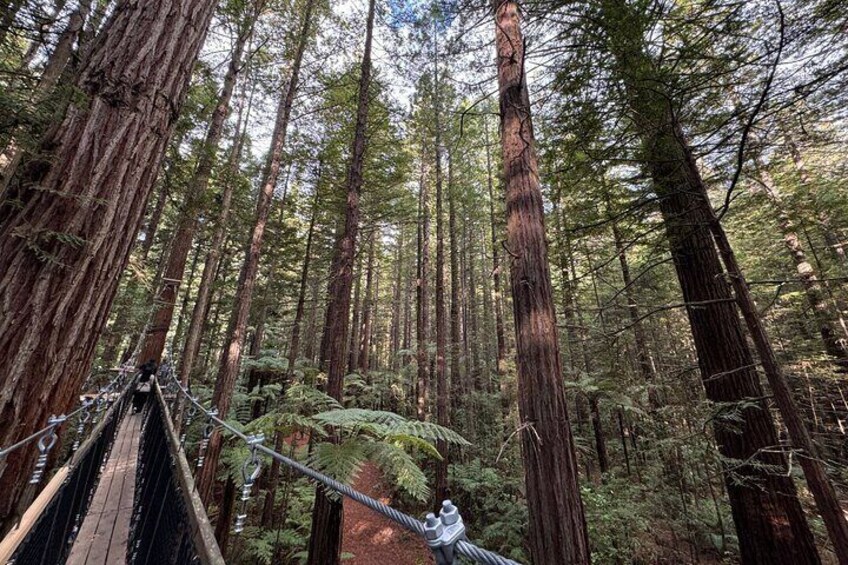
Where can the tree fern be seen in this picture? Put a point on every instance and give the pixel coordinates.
(399, 466)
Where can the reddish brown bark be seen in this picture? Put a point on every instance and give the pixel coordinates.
(368, 307)
(64, 244)
(325, 536)
(224, 523)
(230, 363)
(200, 311)
(53, 69)
(294, 347)
(557, 528)
(770, 522)
(811, 462)
(165, 301)
(818, 481)
(422, 297)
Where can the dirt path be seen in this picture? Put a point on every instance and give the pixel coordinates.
(373, 539)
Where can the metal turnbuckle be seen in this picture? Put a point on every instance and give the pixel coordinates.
(45, 443)
(85, 416)
(190, 413)
(207, 433)
(249, 478)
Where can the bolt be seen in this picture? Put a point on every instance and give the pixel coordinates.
(449, 513)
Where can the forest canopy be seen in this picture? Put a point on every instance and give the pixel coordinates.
(578, 266)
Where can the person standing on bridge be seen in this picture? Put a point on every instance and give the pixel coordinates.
(142, 391)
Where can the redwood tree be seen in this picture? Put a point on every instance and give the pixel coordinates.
(165, 301)
(557, 528)
(230, 363)
(326, 534)
(73, 210)
(770, 522)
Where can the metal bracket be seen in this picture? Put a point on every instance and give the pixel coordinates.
(249, 477)
(443, 532)
(45, 444)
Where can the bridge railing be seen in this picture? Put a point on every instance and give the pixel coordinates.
(46, 531)
(169, 525)
(444, 535)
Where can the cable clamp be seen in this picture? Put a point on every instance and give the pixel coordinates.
(444, 532)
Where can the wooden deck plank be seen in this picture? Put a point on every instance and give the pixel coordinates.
(104, 533)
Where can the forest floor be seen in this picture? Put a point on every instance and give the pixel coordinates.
(373, 539)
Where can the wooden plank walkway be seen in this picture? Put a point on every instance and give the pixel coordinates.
(105, 530)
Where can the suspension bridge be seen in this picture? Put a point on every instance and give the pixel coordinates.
(126, 492)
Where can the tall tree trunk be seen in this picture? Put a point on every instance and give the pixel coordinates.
(231, 359)
(812, 464)
(806, 273)
(441, 325)
(212, 264)
(163, 313)
(80, 205)
(353, 346)
(557, 528)
(594, 398)
(475, 371)
(770, 522)
(457, 390)
(368, 307)
(192, 272)
(225, 515)
(325, 536)
(294, 347)
(831, 236)
(254, 375)
(422, 325)
(312, 325)
(152, 224)
(573, 327)
(496, 261)
(643, 354)
(397, 305)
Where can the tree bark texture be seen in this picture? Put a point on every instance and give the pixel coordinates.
(165, 301)
(64, 244)
(200, 311)
(770, 522)
(557, 528)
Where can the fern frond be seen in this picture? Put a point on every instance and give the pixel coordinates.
(341, 461)
(429, 431)
(397, 464)
(408, 441)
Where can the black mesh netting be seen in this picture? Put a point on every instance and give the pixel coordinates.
(161, 530)
(50, 540)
